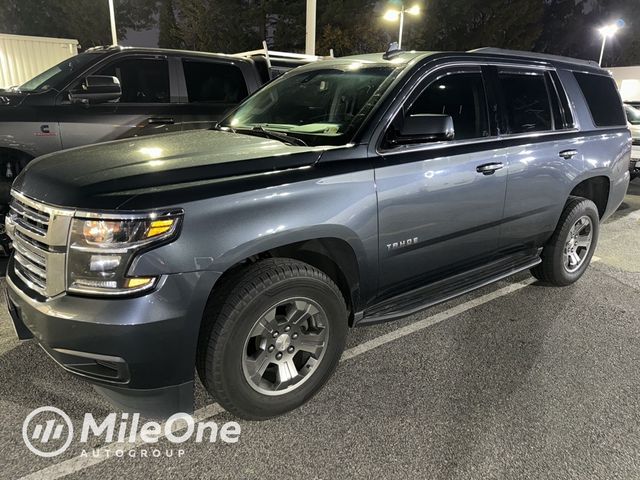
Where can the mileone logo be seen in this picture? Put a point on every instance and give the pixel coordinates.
(48, 431)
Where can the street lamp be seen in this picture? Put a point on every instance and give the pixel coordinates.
(606, 32)
(394, 15)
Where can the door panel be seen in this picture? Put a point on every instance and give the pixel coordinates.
(144, 108)
(542, 160)
(440, 205)
(537, 187)
(437, 216)
(80, 125)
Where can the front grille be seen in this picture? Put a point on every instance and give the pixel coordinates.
(30, 264)
(39, 234)
(636, 141)
(30, 217)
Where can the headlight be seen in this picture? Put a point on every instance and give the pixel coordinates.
(101, 251)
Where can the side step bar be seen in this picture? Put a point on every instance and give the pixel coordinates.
(424, 297)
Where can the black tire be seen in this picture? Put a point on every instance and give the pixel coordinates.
(232, 313)
(552, 270)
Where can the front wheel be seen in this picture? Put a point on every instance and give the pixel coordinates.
(568, 253)
(271, 338)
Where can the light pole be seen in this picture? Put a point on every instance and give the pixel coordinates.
(112, 18)
(394, 15)
(310, 35)
(606, 32)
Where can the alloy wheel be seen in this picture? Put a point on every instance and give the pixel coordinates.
(285, 346)
(578, 244)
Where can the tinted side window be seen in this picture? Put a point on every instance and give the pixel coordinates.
(214, 82)
(461, 96)
(602, 98)
(143, 80)
(526, 101)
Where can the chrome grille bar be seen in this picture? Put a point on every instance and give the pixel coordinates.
(39, 234)
(32, 256)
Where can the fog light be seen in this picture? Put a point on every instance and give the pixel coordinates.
(104, 264)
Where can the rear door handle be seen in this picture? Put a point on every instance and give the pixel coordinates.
(567, 154)
(489, 168)
(161, 121)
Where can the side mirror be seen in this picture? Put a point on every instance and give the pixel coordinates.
(425, 127)
(96, 89)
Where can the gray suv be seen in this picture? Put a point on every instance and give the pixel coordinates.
(347, 192)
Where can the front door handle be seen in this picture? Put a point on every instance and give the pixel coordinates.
(568, 154)
(489, 168)
(161, 121)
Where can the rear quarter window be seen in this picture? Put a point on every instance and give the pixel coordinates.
(602, 97)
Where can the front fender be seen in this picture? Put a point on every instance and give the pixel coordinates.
(220, 232)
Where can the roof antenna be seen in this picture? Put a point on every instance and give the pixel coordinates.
(394, 49)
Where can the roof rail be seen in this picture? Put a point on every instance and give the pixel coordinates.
(541, 56)
(283, 60)
(275, 54)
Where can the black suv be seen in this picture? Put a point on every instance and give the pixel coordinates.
(108, 93)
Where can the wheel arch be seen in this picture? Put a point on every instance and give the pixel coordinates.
(596, 189)
(333, 255)
(10, 152)
(18, 158)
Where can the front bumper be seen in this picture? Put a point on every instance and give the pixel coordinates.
(140, 352)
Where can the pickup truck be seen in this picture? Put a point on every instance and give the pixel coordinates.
(107, 93)
(346, 192)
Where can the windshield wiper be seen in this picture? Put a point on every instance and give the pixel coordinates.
(260, 131)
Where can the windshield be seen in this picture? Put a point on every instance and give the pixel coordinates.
(633, 115)
(321, 106)
(56, 77)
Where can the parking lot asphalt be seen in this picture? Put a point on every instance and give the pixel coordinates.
(515, 380)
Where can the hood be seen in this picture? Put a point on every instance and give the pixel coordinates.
(635, 131)
(106, 175)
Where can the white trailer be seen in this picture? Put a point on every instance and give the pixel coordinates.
(628, 80)
(23, 57)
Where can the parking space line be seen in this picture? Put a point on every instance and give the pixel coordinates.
(79, 462)
(432, 320)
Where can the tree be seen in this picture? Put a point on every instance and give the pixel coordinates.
(570, 29)
(219, 25)
(85, 20)
(169, 33)
(467, 24)
(623, 49)
(351, 27)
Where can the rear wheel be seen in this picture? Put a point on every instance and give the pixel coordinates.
(569, 251)
(272, 337)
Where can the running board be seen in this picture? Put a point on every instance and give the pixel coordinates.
(424, 297)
